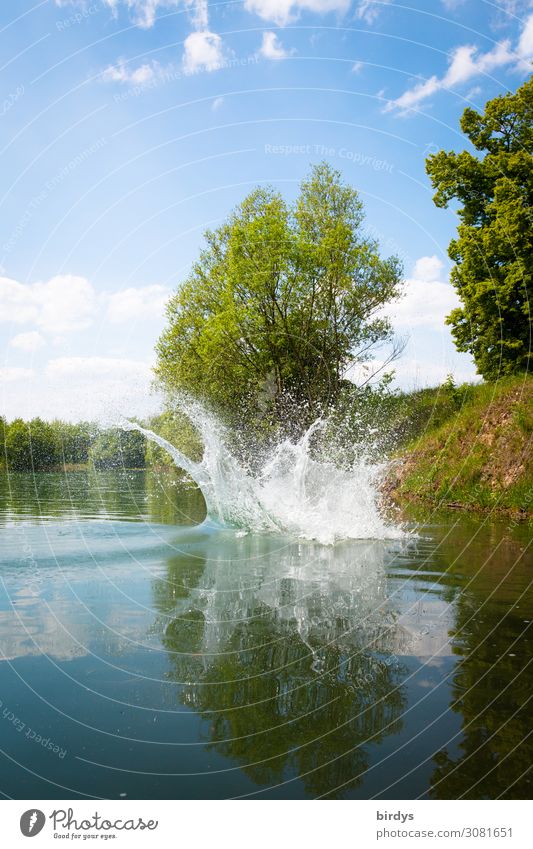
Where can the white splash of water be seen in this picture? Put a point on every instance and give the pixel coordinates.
(291, 493)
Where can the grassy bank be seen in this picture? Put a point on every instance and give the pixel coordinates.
(468, 446)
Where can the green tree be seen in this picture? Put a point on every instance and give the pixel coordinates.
(493, 251)
(74, 441)
(31, 445)
(283, 299)
(177, 429)
(17, 446)
(118, 449)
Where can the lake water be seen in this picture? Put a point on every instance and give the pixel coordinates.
(144, 654)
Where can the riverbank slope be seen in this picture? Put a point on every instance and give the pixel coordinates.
(472, 449)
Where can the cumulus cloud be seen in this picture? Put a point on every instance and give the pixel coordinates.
(200, 13)
(11, 374)
(428, 268)
(144, 13)
(283, 12)
(203, 51)
(369, 10)
(525, 44)
(418, 318)
(473, 92)
(135, 303)
(60, 305)
(28, 342)
(67, 303)
(88, 368)
(122, 73)
(466, 62)
(102, 389)
(427, 298)
(272, 48)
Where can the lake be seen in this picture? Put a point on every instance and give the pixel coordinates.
(147, 654)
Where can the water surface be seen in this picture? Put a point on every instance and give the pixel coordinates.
(144, 653)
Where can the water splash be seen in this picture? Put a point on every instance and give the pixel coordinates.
(292, 491)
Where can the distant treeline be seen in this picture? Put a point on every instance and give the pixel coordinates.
(394, 418)
(38, 445)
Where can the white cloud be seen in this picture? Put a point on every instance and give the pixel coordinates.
(411, 98)
(121, 73)
(131, 304)
(62, 304)
(418, 318)
(67, 303)
(89, 368)
(272, 48)
(200, 14)
(217, 104)
(426, 303)
(103, 389)
(426, 299)
(473, 92)
(428, 268)
(203, 51)
(369, 10)
(525, 43)
(144, 12)
(29, 342)
(413, 372)
(10, 374)
(467, 62)
(282, 12)
(419, 366)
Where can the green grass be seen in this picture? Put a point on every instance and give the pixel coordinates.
(470, 446)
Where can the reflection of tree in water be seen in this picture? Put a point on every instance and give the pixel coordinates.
(173, 499)
(160, 495)
(493, 681)
(282, 655)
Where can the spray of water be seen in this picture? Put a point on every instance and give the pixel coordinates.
(291, 492)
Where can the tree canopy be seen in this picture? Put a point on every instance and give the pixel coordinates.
(283, 299)
(493, 251)
(38, 445)
(30, 445)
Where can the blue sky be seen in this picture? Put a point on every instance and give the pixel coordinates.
(129, 126)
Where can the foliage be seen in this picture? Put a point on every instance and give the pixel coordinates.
(30, 445)
(176, 428)
(493, 251)
(283, 299)
(118, 449)
(74, 441)
(480, 455)
(423, 410)
(37, 445)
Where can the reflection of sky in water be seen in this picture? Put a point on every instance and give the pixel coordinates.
(87, 587)
(223, 663)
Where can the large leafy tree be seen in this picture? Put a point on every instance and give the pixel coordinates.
(493, 251)
(282, 300)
